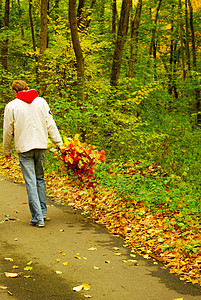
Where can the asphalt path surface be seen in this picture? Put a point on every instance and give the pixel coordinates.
(72, 250)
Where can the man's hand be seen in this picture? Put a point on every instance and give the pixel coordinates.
(62, 148)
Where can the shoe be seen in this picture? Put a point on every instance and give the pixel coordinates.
(36, 224)
(44, 217)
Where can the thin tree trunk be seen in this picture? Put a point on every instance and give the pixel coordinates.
(32, 26)
(152, 47)
(121, 36)
(5, 43)
(114, 16)
(187, 37)
(43, 32)
(22, 29)
(192, 34)
(76, 46)
(182, 42)
(135, 24)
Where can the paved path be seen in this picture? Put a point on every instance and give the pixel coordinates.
(70, 233)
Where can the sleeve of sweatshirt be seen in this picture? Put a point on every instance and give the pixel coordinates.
(52, 128)
(8, 129)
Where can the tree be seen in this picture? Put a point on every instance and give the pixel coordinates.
(43, 32)
(114, 16)
(32, 26)
(135, 24)
(76, 47)
(121, 36)
(5, 43)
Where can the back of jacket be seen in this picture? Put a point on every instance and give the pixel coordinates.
(30, 124)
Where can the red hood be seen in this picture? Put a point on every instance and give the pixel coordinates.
(27, 96)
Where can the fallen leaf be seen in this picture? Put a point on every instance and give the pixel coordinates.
(116, 248)
(29, 263)
(24, 203)
(85, 258)
(3, 287)
(63, 254)
(86, 286)
(65, 263)
(28, 268)
(96, 268)
(27, 276)
(12, 275)
(179, 299)
(58, 272)
(88, 296)
(78, 288)
(77, 257)
(92, 249)
(58, 259)
(15, 267)
(132, 255)
(61, 230)
(61, 251)
(117, 253)
(10, 293)
(107, 261)
(17, 211)
(8, 258)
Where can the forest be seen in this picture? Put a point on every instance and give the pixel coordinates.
(124, 75)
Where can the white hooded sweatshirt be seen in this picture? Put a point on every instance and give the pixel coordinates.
(29, 120)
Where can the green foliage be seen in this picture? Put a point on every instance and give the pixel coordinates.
(151, 118)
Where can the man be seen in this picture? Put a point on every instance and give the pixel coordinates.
(28, 119)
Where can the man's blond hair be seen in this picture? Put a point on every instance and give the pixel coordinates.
(19, 85)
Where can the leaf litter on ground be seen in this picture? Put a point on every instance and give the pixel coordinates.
(164, 235)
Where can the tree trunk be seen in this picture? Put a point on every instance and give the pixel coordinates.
(102, 17)
(114, 16)
(32, 26)
(182, 42)
(152, 49)
(187, 37)
(135, 24)
(121, 36)
(5, 43)
(192, 34)
(22, 29)
(76, 47)
(43, 32)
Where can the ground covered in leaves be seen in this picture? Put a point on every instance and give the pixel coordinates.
(165, 235)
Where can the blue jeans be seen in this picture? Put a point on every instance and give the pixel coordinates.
(32, 163)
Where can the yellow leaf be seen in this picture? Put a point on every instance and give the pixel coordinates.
(65, 263)
(15, 267)
(117, 253)
(12, 275)
(8, 258)
(92, 249)
(78, 288)
(86, 286)
(58, 259)
(88, 296)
